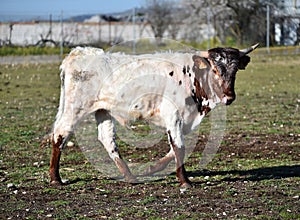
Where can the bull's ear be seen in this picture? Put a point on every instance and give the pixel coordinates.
(200, 62)
(243, 62)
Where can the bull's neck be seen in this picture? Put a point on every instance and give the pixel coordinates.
(202, 92)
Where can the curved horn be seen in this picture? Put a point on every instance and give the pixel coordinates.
(248, 50)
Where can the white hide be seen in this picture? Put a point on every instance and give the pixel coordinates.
(129, 88)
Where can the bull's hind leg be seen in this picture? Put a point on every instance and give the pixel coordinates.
(54, 161)
(161, 164)
(106, 135)
(59, 140)
(63, 128)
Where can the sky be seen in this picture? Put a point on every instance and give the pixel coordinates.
(10, 8)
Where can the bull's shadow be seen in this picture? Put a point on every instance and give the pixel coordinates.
(258, 174)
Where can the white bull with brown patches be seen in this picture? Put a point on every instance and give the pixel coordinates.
(172, 90)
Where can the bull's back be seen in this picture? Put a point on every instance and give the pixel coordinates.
(130, 87)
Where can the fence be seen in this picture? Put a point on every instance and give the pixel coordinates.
(31, 33)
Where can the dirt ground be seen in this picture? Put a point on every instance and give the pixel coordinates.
(218, 193)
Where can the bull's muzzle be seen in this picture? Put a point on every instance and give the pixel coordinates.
(228, 99)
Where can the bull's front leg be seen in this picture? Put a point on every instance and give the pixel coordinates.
(176, 142)
(106, 135)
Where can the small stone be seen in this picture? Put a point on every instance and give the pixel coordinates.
(11, 186)
(70, 144)
(182, 190)
(65, 181)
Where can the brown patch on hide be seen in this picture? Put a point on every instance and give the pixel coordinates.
(82, 75)
(201, 67)
(205, 109)
(154, 112)
(180, 82)
(171, 73)
(200, 93)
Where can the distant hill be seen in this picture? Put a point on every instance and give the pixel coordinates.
(117, 16)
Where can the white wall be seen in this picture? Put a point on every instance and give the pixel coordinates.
(76, 33)
(84, 33)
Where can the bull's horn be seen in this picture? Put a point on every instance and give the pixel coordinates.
(248, 50)
(203, 54)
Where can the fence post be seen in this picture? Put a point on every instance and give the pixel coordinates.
(62, 36)
(134, 37)
(268, 29)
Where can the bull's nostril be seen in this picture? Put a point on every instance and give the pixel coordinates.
(227, 100)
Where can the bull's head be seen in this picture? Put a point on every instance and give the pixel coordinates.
(216, 69)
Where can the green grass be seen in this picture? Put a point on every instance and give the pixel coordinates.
(32, 50)
(255, 174)
(268, 90)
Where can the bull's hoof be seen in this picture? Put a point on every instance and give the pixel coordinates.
(56, 183)
(131, 179)
(185, 185)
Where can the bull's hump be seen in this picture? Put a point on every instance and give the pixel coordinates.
(86, 51)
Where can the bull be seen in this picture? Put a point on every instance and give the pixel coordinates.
(177, 90)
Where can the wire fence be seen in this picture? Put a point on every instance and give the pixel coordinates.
(282, 50)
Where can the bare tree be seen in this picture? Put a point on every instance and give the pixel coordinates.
(242, 20)
(196, 19)
(159, 16)
(243, 12)
(204, 14)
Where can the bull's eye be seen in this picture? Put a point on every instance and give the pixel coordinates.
(216, 73)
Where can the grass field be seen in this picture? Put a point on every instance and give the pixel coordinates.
(255, 174)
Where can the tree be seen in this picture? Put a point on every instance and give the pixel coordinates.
(195, 20)
(250, 19)
(242, 20)
(159, 16)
